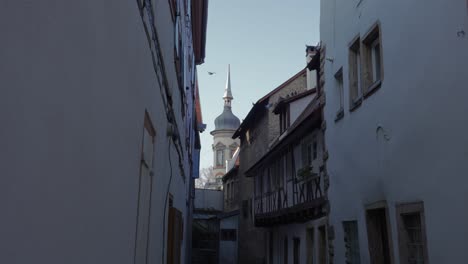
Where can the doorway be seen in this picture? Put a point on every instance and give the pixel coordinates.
(378, 236)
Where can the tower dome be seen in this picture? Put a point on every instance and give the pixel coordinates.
(227, 120)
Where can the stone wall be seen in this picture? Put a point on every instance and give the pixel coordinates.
(296, 86)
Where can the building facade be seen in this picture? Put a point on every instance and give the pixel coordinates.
(396, 119)
(231, 183)
(100, 132)
(229, 224)
(224, 145)
(258, 132)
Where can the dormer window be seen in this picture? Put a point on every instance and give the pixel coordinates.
(284, 119)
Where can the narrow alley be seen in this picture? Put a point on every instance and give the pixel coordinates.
(233, 132)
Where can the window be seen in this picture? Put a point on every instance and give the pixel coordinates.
(339, 87)
(306, 149)
(228, 235)
(220, 158)
(270, 247)
(351, 239)
(259, 184)
(296, 250)
(314, 148)
(289, 165)
(412, 233)
(309, 154)
(354, 74)
(245, 208)
(322, 244)
(372, 60)
(284, 118)
(282, 170)
(310, 235)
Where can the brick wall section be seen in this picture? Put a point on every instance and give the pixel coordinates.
(298, 85)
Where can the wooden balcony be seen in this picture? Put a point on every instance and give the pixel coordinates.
(302, 199)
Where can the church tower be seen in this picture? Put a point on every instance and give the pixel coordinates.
(225, 126)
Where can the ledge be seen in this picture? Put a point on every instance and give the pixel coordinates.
(339, 115)
(374, 87)
(356, 103)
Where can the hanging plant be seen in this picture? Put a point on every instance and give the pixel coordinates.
(305, 173)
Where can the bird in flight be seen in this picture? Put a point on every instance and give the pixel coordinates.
(211, 73)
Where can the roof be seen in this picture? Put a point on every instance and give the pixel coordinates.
(227, 89)
(231, 172)
(300, 73)
(199, 23)
(305, 120)
(198, 111)
(226, 120)
(262, 102)
(249, 118)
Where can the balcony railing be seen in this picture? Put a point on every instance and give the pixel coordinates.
(301, 199)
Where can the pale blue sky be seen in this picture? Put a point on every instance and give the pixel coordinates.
(264, 41)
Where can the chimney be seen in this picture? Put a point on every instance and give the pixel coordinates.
(311, 76)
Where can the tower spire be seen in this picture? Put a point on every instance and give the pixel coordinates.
(227, 91)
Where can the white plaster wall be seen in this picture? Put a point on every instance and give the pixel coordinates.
(421, 106)
(298, 106)
(209, 199)
(311, 79)
(76, 78)
(228, 249)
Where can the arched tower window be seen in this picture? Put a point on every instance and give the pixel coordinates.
(220, 158)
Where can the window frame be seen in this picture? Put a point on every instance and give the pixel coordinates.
(347, 226)
(369, 82)
(354, 73)
(220, 148)
(296, 250)
(284, 119)
(339, 80)
(381, 205)
(406, 209)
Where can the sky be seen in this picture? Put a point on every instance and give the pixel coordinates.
(263, 41)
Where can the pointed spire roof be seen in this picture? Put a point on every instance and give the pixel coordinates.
(227, 120)
(227, 90)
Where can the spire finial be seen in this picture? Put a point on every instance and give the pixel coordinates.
(227, 91)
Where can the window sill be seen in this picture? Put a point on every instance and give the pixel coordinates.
(339, 115)
(356, 103)
(374, 87)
